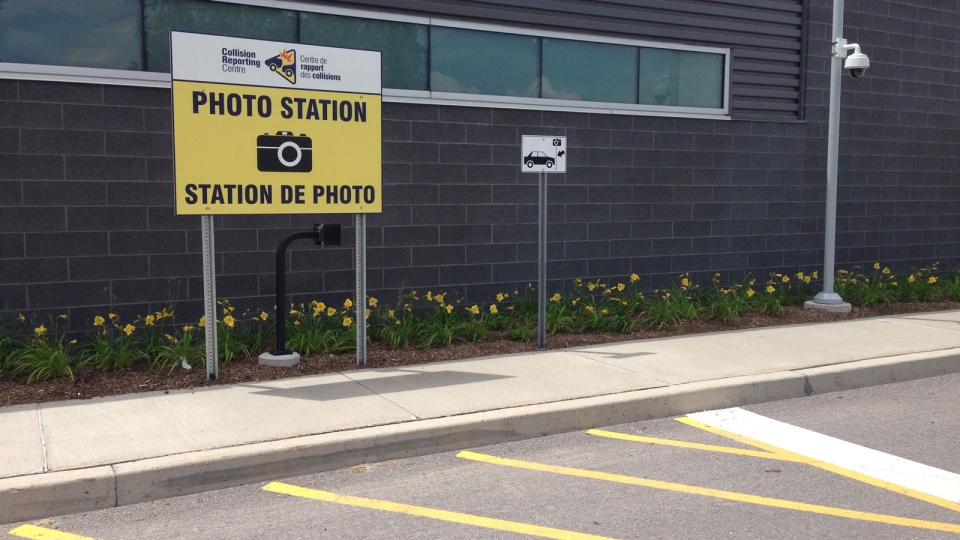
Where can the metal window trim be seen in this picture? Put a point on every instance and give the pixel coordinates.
(329, 10)
(510, 102)
(38, 72)
(162, 80)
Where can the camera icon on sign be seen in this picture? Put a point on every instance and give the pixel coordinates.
(284, 152)
(557, 142)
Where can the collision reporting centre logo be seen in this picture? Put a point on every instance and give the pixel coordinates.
(284, 64)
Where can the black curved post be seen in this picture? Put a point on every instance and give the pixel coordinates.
(281, 290)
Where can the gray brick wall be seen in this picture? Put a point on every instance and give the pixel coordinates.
(86, 190)
(900, 135)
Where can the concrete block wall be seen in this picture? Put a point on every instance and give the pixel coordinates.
(86, 190)
(899, 139)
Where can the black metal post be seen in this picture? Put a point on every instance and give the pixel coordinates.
(281, 349)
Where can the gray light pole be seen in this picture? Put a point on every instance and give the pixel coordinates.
(828, 299)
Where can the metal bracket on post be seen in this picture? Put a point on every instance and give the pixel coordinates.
(209, 296)
(361, 241)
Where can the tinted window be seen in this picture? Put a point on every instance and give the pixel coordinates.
(97, 34)
(681, 78)
(589, 71)
(403, 45)
(473, 62)
(161, 16)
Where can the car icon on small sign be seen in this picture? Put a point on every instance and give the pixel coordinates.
(538, 158)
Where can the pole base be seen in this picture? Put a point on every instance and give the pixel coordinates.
(842, 307)
(279, 360)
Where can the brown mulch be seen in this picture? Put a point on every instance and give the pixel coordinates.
(90, 382)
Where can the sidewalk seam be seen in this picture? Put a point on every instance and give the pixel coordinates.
(381, 396)
(43, 442)
(115, 476)
(584, 356)
(907, 322)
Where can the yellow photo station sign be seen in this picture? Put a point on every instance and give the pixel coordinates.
(264, 127)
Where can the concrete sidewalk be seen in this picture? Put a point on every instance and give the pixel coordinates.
(67, 457)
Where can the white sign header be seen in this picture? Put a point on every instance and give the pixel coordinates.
(251, 62)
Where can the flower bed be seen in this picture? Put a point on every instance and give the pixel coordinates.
(154, 343)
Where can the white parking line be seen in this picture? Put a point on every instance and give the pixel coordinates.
(836, 452)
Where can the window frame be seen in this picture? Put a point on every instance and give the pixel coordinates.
(71, 74)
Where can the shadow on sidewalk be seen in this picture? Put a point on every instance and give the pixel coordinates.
(407, 381)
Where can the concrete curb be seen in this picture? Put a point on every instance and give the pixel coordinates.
(59, 493)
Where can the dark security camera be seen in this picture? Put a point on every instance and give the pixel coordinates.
(857, 73)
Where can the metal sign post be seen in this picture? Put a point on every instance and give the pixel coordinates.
(209, 296)
(543, 154)
(361, 235)
(542, 267)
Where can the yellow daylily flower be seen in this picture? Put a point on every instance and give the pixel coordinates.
(347, 303)
(128, 329)
(347, 321)
(331, 312)
(474, 309)
(634, 278)
(98, 321)
(40, 330)
(493, 309)
(372, 301)
(263, 315)
(229, 321)
(771, 288)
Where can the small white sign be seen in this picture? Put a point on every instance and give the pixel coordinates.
(543, 153)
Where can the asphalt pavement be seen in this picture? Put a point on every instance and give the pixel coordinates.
(67, 457)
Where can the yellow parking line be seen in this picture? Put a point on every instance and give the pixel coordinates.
(39, 533)
(432, 513)
(694, 446)
(716, 493)
(786, 454)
